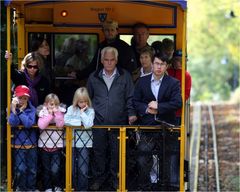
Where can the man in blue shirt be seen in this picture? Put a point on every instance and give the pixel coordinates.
(156, 97)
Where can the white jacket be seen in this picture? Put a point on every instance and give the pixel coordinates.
(74, 117)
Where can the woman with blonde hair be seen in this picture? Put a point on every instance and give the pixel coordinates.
(81, 113)
(30, 76)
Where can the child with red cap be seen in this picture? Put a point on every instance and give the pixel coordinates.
(24, 140)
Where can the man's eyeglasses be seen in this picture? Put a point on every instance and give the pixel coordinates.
(160, 64)
(32, 66)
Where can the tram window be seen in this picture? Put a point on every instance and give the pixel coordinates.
(152, 38)
(73, 52)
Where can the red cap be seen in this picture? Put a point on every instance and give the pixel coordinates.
(22, 90)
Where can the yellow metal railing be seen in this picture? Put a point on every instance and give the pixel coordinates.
(122, 155)
(9, 154)
(69, 139)
(182, 133)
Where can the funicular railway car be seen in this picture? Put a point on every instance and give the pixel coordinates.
(60, 22)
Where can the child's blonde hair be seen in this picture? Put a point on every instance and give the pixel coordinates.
(81, 93)
(52, 97)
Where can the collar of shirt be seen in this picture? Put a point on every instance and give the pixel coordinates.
(144, 74)
(107, 76)
(155, 86)
(156, 81)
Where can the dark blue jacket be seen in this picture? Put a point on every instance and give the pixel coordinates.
(26, 135)
(169, 99)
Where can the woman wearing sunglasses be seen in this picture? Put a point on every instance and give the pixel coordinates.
(30, 76)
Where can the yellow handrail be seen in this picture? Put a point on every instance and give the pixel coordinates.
(9, 154)
(182, 136)
(68, 139)
(122, 159)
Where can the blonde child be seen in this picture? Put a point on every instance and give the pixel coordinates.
(24, 140)
(81, 113)
(51, 141)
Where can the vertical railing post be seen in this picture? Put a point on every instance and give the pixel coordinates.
(68, 139)
(122, 159)
(9, 152)
(182, 132)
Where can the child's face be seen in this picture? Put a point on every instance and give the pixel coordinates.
(23, 100)
(51, 105)
(82, 103)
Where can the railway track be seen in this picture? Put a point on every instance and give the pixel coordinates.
(204, 164)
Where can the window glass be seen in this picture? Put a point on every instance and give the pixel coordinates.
(151, 39)
(73, 52)
(66, 51)
(68, 55)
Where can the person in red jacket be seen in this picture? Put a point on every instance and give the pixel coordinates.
(176, 72)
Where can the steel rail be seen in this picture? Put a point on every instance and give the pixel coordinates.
(214, 136)
(195, 147)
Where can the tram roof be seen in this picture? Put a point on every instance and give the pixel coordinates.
(182, 3)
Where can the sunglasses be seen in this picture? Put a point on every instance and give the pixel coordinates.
(32, 66)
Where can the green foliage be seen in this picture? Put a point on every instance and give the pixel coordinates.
(213, 48)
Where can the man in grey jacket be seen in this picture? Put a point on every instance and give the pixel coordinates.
(111, 91)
